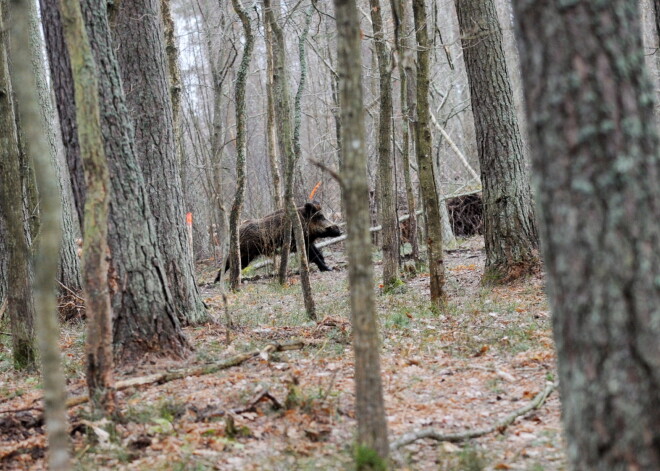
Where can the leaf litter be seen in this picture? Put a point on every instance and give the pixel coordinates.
(489, 354)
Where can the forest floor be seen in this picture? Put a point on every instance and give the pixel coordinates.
(488, 355)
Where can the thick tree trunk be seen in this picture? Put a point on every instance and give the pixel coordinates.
(98, 343)
(389, 241)
(424, 150)
(510, 232)
(60, 73)
(140, 49)
(69, 271)
(370, 410)
(49, 241)
(145, 317)
(241, 150)
(20, 303)
(597, 168)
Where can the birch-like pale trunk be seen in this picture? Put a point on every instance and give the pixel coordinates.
(370, 409)
(46, 258)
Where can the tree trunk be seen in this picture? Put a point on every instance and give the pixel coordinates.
(370, 410)
(403, 31)
(140, 49)
(69, 271)
(424, 150)
(20, 303)
(219, 74)
(292, 164)
(241, 150)
(4, 251)
(389, 241)
(49, 241)
(145, 317)
(174, 76)
(271, 136)
(60, 73)
(596, 170)
(510, 232)
(285, 133)
(98, 343)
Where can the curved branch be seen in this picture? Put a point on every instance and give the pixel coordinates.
(411, 437)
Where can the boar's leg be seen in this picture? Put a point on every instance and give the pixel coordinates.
(314, 255)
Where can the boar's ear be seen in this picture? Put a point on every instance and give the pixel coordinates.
(309, 209)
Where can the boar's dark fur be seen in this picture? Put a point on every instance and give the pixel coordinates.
(266, 235)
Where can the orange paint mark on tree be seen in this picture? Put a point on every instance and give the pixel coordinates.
(311, 195)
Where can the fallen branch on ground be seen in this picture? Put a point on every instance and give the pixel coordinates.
(411, 437)
(209, 368)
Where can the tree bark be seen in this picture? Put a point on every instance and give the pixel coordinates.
(403, 31)
(4, 257)
(271, 136)
(285, 133)
(140, 48)
(219, 74)
(60, 73)
(98, 343)
(145, 316)
(424, 151)
(389, 241)
(292, 164)
(69, 271)
(20, 303)
(241, 150)
(510, 232)
(596, 171)
(174, 76)
(370, 410)
(145, 319)
(49, 241)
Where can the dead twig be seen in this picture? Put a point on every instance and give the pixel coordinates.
(411, 437)
(71, 292)
(265, 394)
(331, 172)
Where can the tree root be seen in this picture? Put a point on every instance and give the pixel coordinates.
(411, 437)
